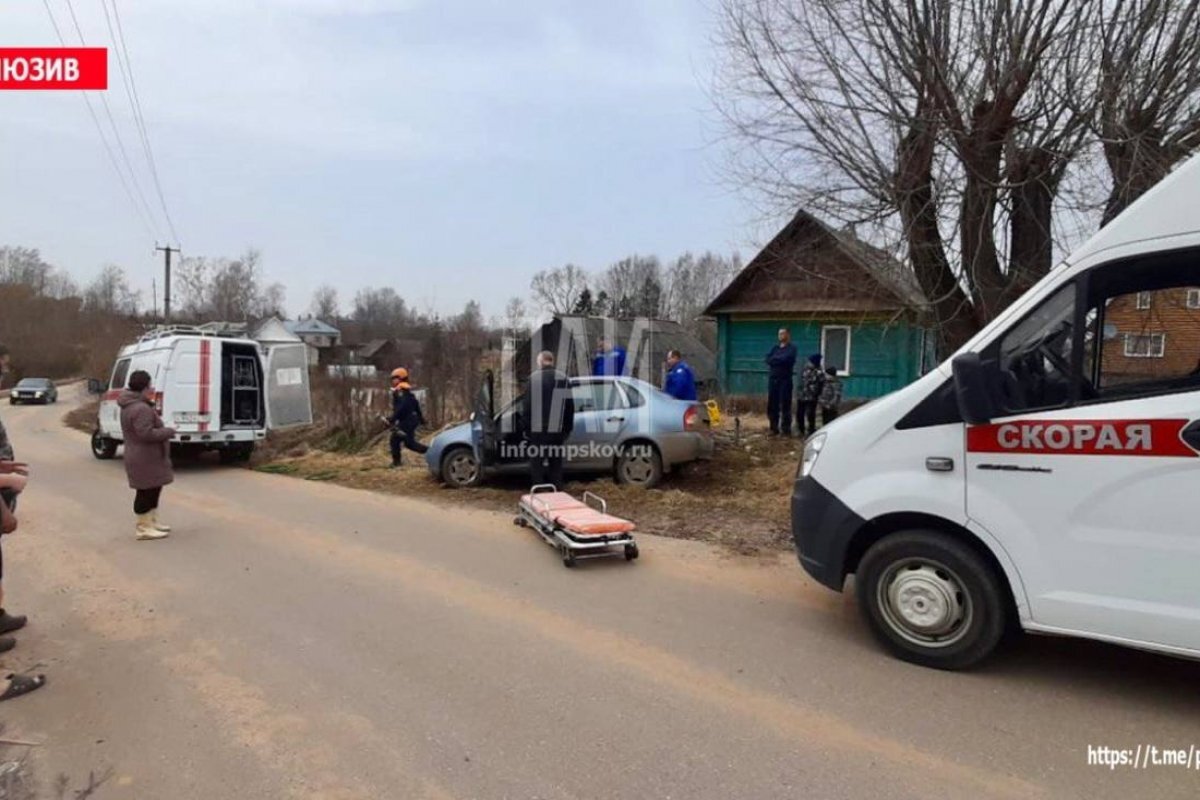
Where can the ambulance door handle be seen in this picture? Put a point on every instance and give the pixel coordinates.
(1191, 434)
(616, 419)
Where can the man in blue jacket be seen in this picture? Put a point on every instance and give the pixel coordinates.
(781, 367)
(608, 359)
(681, 381)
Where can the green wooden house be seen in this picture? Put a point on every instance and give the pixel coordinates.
(838, 296)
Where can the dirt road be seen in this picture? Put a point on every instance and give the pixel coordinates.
(298, 640)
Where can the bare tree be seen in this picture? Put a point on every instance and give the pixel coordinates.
(557, 290)
(325, 305)
(1149, 93)
(691, 283)
(516, 322)
(938, 126)
(230, 290)
(380, 312)
(109, 293)
(24, 266)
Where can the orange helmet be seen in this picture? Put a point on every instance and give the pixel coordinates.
(400, 373)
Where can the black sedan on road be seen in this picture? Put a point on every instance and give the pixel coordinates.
(34, 390)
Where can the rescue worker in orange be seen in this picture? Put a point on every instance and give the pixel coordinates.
(406, 416)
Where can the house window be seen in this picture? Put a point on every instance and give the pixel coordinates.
(835, 347)
(1145, 345)
(1143, 301)
(1193, 298)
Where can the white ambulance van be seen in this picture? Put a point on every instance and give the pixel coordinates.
(219, 392)
(1047, 477)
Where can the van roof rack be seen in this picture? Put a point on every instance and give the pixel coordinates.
(162, 331)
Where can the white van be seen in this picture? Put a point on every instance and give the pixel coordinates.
(219, 392)
(1046, 477)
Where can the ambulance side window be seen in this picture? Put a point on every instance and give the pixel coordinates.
(1034, 358)
(120, 374)
(1144, 328)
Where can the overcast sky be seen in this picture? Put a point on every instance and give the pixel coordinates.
(447, 148)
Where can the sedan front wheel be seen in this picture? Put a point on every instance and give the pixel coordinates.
(460, 468)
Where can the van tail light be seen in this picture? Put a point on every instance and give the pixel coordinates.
(158, 404)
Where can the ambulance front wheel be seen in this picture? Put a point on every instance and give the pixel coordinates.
(931, 599)
(103, 448)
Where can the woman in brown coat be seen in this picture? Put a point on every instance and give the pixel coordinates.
(147, 454)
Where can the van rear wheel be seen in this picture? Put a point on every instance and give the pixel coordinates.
(931, 600)
(103, 448)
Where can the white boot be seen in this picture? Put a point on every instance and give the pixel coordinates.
(158, 526)
(145, 528)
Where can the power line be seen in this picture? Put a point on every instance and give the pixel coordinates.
(136, 101)
(103, 139)
(113, 124)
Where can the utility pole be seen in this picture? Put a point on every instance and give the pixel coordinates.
(167, 281)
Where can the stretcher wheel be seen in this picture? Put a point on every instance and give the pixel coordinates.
(568, 558)
(631, 552)
(520, 522)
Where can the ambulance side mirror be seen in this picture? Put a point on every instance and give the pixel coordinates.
(94, 386)
(971, 389)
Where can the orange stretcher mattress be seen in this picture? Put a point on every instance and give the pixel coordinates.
(575, 515)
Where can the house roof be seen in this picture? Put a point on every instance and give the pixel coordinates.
(809, 267)
(311, 326)
(371, 348)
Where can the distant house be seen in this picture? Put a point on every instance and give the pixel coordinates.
(645, 340)
(316, 334)
(387, 354)
(838, 296)
(1151, 336)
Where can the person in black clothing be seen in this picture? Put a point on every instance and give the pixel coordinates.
(548, 416)
(406, 416)
(781, 366)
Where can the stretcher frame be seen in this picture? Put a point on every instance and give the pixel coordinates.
(573, 547)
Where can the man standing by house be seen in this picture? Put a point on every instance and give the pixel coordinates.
(548, 414)
(681, 381)
(608, 359)
(812, 382)
(781, 369)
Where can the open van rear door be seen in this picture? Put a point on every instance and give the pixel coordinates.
(289, 401)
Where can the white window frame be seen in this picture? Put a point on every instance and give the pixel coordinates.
(1193, 298)
(849, 346)
(1143, 300)
(1161, 338)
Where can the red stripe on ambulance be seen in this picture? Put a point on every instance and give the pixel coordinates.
(205, 379)
(1082, 437)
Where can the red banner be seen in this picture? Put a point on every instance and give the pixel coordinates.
(1082, 437)
(34, 68)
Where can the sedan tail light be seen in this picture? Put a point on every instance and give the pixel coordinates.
(692, 421)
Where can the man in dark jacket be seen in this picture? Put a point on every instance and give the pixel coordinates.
(781, 367)
(548, 415)
(406, 417)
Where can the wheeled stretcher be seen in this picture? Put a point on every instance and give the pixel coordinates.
(576, 528)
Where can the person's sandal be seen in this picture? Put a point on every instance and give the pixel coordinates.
(22, 684)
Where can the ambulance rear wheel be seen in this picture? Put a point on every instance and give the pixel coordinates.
(931, 599)
(103, 448)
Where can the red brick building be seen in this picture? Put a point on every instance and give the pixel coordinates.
(1151, 335)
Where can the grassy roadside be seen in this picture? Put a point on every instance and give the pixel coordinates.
(738, 501)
